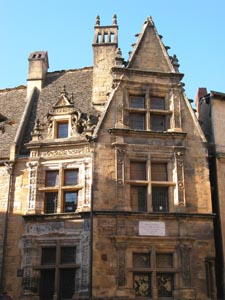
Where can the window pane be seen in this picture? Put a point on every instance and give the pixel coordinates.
(51, 202)
(137, 121)
(70, 201)
(164, 284)
(139, 198)
(141, 260)
(67, 283)
(48, 256)
(52, 178)
(142, 284)
(157, 103)
(47, 284)
(164, 260)
(160, 199)
(68, 255)
(137, 102)
(157, 123)
(62, 129)
(71, 177)
(159, 172)
(138, 170)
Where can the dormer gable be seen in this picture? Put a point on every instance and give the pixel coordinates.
(64, 100)
(149, 53)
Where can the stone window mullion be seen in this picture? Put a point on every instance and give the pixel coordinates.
(60, 191)
(149, 188)
(153, 268)
(179, 157)
(148, 116)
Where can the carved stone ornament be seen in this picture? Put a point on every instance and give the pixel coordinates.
(3, 122)
(80, 124)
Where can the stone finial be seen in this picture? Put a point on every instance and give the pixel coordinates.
(175, 62)
(36, 133)
(97, 22)
(64, 92)
(150, 21)
(118, 58)
(114, 21)
(72, 98)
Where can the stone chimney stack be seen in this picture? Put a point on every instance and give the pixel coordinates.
(104, 47)
(38, 67)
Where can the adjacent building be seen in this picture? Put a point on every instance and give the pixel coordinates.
(211, 112)
(105, 190)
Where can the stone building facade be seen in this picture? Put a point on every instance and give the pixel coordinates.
(105, 190)
(211, 111)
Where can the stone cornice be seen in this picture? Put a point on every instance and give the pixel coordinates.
(154, 216)
(59, 143)
(145, 133)
(56, 217)
(147, 73)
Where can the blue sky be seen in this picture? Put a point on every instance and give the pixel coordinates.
(194, 29)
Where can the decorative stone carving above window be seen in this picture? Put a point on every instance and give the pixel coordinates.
(63, 120)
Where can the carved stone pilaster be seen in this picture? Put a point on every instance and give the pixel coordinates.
(176, 110)
(121, 264)
(120, 157)
(33, 171)
(185, 253)
(179, 161)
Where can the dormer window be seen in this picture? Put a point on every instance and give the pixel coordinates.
(64, 121)
(62, 129)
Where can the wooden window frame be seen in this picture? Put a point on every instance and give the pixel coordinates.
(58, 266)
(57, 131)
(153, 271)
(147, 111)
(61, 189)
(150, 184)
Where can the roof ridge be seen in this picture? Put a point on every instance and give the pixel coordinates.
(70, 70)
(19, 87)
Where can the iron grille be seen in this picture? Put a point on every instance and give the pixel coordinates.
(141, 260)
(139, 198)
(157, 103)
(160, 199)
(137, 121)
(68, 255)
(48, 256)
(137, 170)
(71, 177)
(137, 102)
(164, 260)
(158, 122)
(67, 283)
(51, 201)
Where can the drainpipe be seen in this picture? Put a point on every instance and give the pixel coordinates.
(9, 167)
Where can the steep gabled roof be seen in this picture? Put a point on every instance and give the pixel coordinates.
(12, 103)
(78, 84)
(149, 45)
